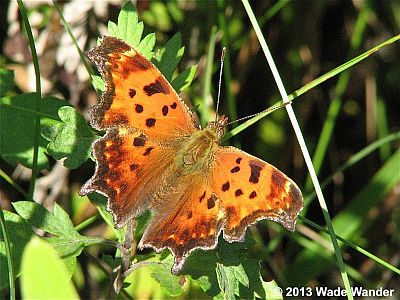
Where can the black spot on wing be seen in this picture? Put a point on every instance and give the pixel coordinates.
(238, 160)
(132, 93)
(211, 202)
(255, 169)
(235, 169)
(225, 186)
(150, 122)
(159, 86)
(202, 196)
(238, 192)
(138, 108)
(165, 110)
(147, 151)
(133, 167)
(139, 141)
(253, 195)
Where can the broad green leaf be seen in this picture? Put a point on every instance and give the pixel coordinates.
(169, 283)
(184, 79)
(71, 139)
(168, 58)
(112, 28)
(128, 26)
(142, 281)
(146, 46)
(6, 81)
(17, 119)
(226, 280)
(271, 290)
(36, 215)
(44, 275)
(20, 234)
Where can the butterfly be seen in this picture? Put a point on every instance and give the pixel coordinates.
(154, 157)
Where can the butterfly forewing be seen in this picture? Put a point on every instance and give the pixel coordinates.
(137, 95)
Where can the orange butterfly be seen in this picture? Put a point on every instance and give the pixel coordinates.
(154, 157)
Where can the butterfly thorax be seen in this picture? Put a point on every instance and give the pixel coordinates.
(198, 149)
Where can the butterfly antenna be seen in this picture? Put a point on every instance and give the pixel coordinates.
(220, 80)
(266, 111)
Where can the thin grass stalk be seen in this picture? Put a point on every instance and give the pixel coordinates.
(38, 97)
(231, 101)
(336, 104)
(303, 147)
(205, 114)
(354, 246)
(379, 144)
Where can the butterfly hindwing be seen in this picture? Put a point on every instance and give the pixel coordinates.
(251, 189)
(194, 220)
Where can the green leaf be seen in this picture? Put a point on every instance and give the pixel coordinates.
(17, 119)
(6, 81)
(44, 275)
(128, 26)
(184, 79)
(169, 283)
(112, 28)
(168, 58)
(141, 282)
(226, 280)
(20, 234)
(146, 46)
(98, 83)
(271, 291)
(36, 215)
(71, 139)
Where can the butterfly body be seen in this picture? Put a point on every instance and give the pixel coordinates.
(154, 157)
(196, 153)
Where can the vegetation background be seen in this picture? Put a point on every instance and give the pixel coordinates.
(351, 125)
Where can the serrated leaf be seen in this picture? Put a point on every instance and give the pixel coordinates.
(226, 281)
(184, 79)
(128, 27)
(142, 283)
(20, 234)
(240, 275)
(51, 280)
(168, 58)
(17, 119)
(169, 283)
(112, 28)
(36, 215)
(146, 45)
(71, 139)
(6, 81)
